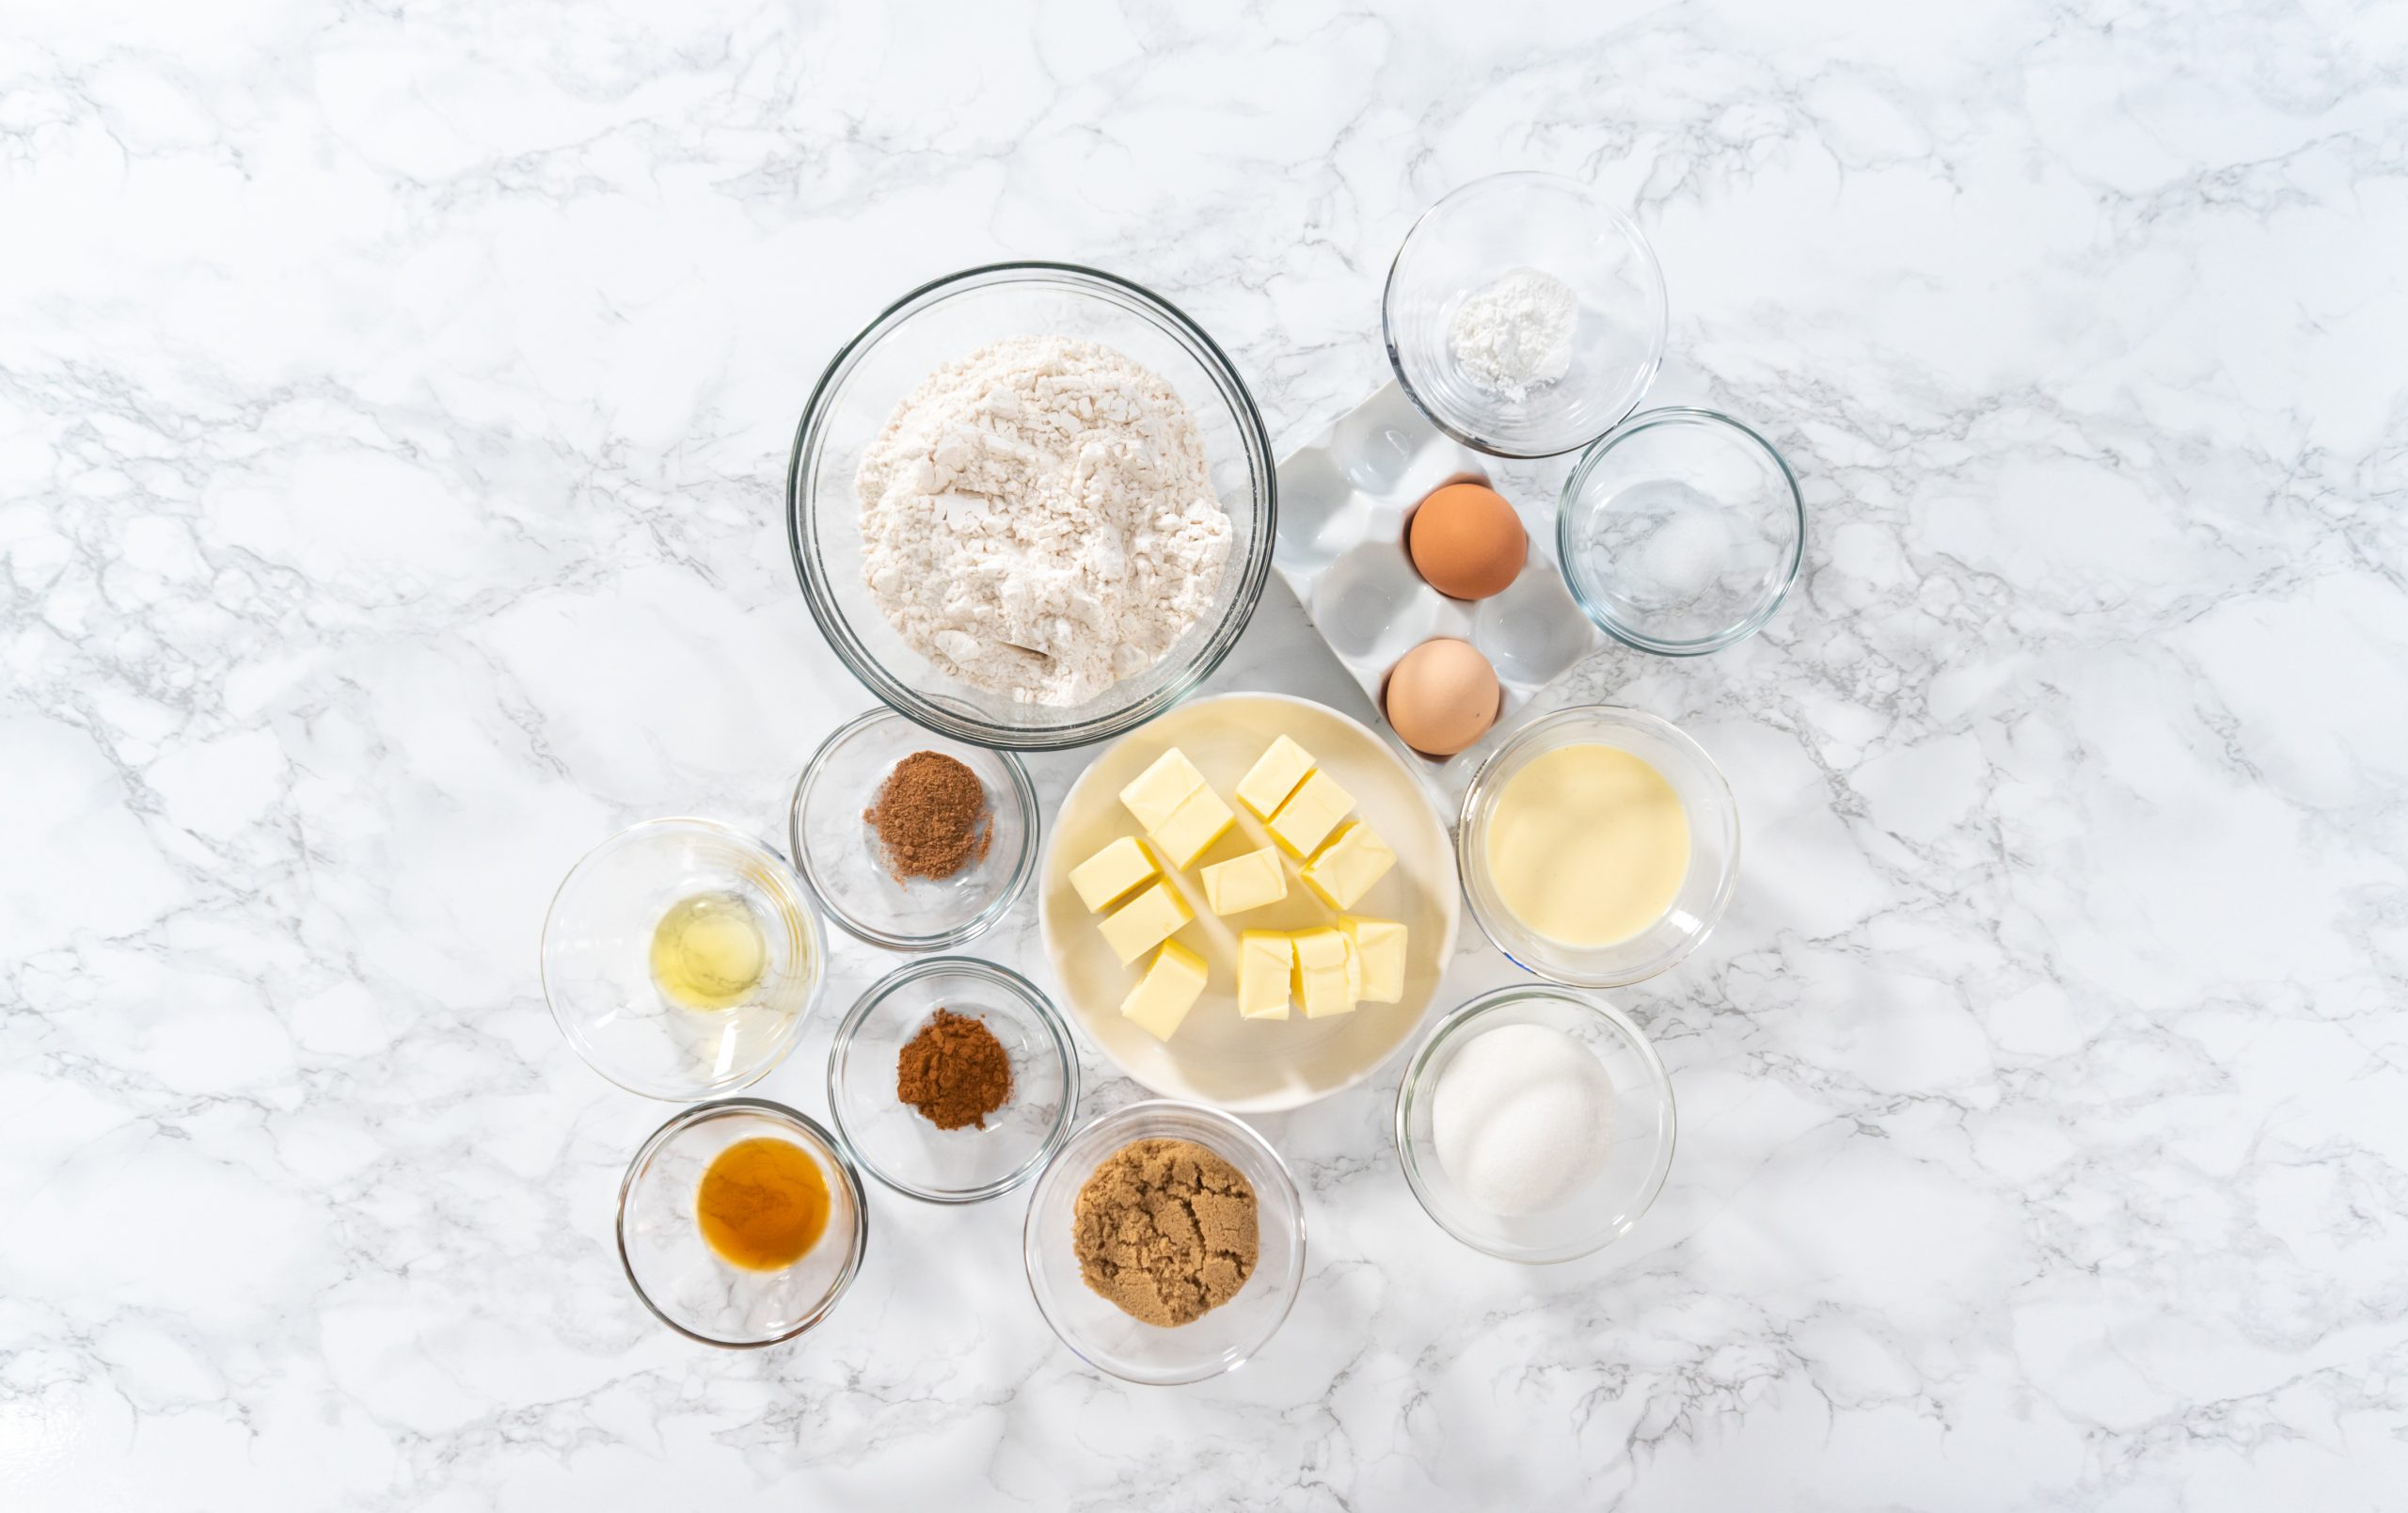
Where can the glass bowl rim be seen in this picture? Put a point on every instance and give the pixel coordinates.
(1408, 1094)
(1470, 825)
(776, 1112)
(1624, 222)
(1255, 440)
(840, 1051)
(1134, 1113)
(1631, 425)
(813, 930)
(1023, 792)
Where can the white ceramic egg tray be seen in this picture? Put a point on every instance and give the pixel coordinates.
(1344, 499)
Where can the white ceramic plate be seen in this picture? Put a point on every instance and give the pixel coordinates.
(1250, 1066)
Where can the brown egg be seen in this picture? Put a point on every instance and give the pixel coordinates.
(1442, 697)
(1468, 541)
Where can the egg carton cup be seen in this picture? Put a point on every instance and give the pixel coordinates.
(1345, 498)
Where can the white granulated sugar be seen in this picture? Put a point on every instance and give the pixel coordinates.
(1513, 334)
(1522, 1117)
(1038, 519)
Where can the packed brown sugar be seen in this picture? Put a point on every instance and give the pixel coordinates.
(1165, 1230)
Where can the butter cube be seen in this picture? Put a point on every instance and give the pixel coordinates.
(1379, 948)
(1243, 883)
(1310, 814)
(1274, 775)
(1321, 973)
(1200, 819)
(1265, 959)
(1111, 873)
(1160, 790)
(1345, 870)
(1144, 921)
(1169, 988)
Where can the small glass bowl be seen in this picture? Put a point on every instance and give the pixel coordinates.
(904, 1149)
(598, 968)
(950, 318)
(845, 867)
(674, 1269)
(1714, 847)
(1641, 1153)
(1681, 531)
(1485, 230)
(1098, 1331)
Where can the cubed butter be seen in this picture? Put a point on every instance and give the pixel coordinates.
(1200, 819)
(1348, 867)
(1379, 947)
(1265, 960)
(1111, 873)
(1169, 988)
(1160, 790)
(1321, 973)
(1274, 775)
(1243, 883)
(1144, 921)
(1310, 814)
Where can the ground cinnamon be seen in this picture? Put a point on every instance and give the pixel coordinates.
(930, 816)
(954, 1071)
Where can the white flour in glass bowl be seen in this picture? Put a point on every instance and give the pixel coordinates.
(1038, 519)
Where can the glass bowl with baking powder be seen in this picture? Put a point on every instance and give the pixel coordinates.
(942, 323)
(1608, 1200)
(1525, 315)
(1152, 1355)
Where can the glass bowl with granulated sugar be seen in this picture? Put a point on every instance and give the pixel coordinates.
(909, 841)
(979, 536)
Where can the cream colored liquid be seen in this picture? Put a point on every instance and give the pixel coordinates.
(707, 951)
(1587, 845)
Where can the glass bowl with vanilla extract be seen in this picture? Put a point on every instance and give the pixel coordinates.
(742, 1222)
(680, 959)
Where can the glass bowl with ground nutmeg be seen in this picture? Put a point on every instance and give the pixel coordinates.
(910, 840)
(953, 1079)
(1165, 1243)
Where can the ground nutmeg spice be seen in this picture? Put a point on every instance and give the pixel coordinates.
(930, 815)
(954, 1071)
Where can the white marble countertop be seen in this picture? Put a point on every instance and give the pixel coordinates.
(394, 406)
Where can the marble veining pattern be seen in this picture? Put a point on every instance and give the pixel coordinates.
(394, 403)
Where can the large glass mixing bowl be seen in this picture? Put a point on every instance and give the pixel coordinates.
(948, 319)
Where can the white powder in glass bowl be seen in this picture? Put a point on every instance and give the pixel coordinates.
(1513, 334)
(1522, 1117)
(1038, 519)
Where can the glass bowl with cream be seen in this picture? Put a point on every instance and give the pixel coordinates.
(1598, 847)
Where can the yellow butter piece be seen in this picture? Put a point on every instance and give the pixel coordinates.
(1310, 814)
(1379, 948)
(1274, 775)
(1200, 819)
(1111, 873)
(1169, 988)
(1347, 868)
(1265, 960)
(1320, 984)
(1144, 921)
(1160, 790)
(1243, 883)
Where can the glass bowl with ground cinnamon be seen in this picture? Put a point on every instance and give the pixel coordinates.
(953, 1079)
(1165, 1243)
(910, 840)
